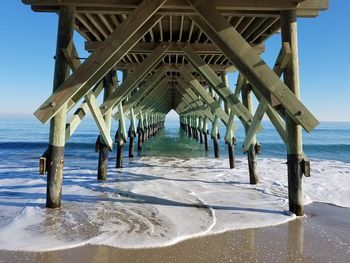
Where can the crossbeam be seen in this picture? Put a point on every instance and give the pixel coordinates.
(218, 85)
(140, 94)
(101, 124)
(132, 80)
(103, 59)
(148, 47)
(214, 105)
(249, 63)
(181, 7)
(280, 64)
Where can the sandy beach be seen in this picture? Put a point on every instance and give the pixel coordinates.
(323, 235)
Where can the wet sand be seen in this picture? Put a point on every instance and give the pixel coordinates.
(322, 236)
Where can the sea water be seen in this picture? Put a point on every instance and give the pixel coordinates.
(171, 191)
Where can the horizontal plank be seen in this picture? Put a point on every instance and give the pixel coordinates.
(148, 47)
(249, 5)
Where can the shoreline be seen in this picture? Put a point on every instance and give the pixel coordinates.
(323, 235)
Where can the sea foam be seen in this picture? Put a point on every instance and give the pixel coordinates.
(156, 201)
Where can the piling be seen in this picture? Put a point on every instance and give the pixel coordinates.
(294, 146)
(103, 148)
(247, 100)
(58, 123)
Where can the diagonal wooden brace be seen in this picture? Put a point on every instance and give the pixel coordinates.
(139, 74)
(101, 124)
(146, 87)
(103, 58)
(248, 62)
(281, 62)
(218, 85)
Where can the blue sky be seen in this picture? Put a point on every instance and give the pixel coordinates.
(29, 39)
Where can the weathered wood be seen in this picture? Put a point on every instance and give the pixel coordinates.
(216, 147)
(132, 132)
(220, 87)
(149, 85)
(280, 64)
(204, 95)
(80, 113)
(103, 148)
(239, 85)
(215, 136)
(259, 113)
(294, 135)
(121, 136)
(57, 125)
(103, 59)
(267, 8)
(148, 47)
(247, 100)
(249, 63)
(231, 155)
(71, 56)
(99, 120)
(230, 139)
(140, 73)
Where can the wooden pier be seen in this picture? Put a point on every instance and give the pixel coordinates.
(175, 54)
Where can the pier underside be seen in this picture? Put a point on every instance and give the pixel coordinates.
(175, 55)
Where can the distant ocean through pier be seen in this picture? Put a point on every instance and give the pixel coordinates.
(27, 138)
(171, 191)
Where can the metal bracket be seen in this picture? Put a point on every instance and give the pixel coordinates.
(306, 167)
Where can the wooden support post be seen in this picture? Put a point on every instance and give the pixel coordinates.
(145, 125)
(121, 136)
(189, 127)
(293, 130)
(200, 129)
(205, 133)
(229, 136)
(140, 131)
(252, 162)
(215, 136)
(230, 140)
(58, 123)
(132, 133)
(103, 148)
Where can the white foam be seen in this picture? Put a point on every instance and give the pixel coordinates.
(156, 202)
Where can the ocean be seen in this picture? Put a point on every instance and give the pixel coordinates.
(171, 191)
(27, 138)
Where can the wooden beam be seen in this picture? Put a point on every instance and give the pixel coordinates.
(80, 113)
(103, 151)
(173, 67)
(144, 91)
(55, 156)
(218, 85)
(289, 32)
(214, 105)
(186, 89)
(126, 86)
(280, 64)
(71, 56)
(102, 60)
(100, 122)
(181, 7)
(148, 47)
(247, 100)
(249, 63)
(157, 92)
(259, 114)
